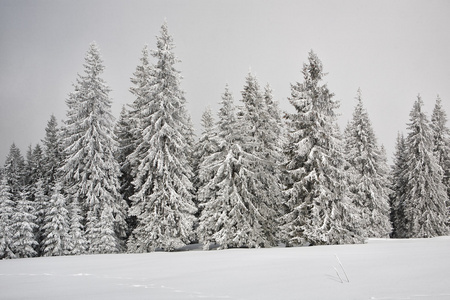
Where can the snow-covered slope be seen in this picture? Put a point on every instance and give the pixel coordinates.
(381, 269)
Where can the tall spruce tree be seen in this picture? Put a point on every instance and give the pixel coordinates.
(238, 210)
(90, 169)
(206, 145)
(41, 205)
(138, 117)
(370, 185)
(123, 132)
(260, 136)
(53, 154)
(163, 199)
(320, 211)
(425, 196)
(225, 199)
(398, 188)
(441, 139)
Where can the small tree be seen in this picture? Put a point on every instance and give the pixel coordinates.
(104, 240)
(77, 236)
(57, 240)
(23, 227)
(7, 208)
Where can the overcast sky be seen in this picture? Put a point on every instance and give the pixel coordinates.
(392, 50)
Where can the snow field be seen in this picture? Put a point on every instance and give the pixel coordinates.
(381, 269)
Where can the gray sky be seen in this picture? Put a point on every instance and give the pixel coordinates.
(392, 50)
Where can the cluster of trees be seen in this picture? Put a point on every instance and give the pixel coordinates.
(254, 178)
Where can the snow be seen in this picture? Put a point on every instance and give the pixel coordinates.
(379, 270)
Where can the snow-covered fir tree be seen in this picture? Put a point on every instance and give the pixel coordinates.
(163, 199)
(53, 154)
(41, 206)
(320, 210)
(206, 145)
(136, 119)
(57, 240)
(140, 111)
(90, 169)
(14, 171)
(222, 199)
(441, 139)
(398, 188)
(369, 185)
(104, 239)
(7, 207)
(425, 196)
(260, 137)
(123, 132)
(23, 227)
(77, 236)
(235, 213)
(276, 116)
(34, 166)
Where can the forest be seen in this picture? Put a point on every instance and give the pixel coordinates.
(255, 177)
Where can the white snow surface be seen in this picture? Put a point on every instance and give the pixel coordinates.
(381, 269)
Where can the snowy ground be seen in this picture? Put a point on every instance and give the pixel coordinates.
(382, 269)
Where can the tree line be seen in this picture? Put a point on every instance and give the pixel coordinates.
(256, 177)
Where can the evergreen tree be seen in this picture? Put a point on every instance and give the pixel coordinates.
(232, 215)
(275, 115)
(225, 218)
(320, 211)
(14, 172)
(33, 168)
(129, 130)
(441, 139)
(23, 227)
(41, 205)
(206, 145)
(123, 132)
(138, 117)
(90, 168)
(57, 240)
(163, 202)
(103, 238)
(370, 185)
(425, 194)
(77, 237)
(398, 188)
(260, 136)
(7, 208)
(53, 154)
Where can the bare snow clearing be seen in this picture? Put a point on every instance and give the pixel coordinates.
(417, 269)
